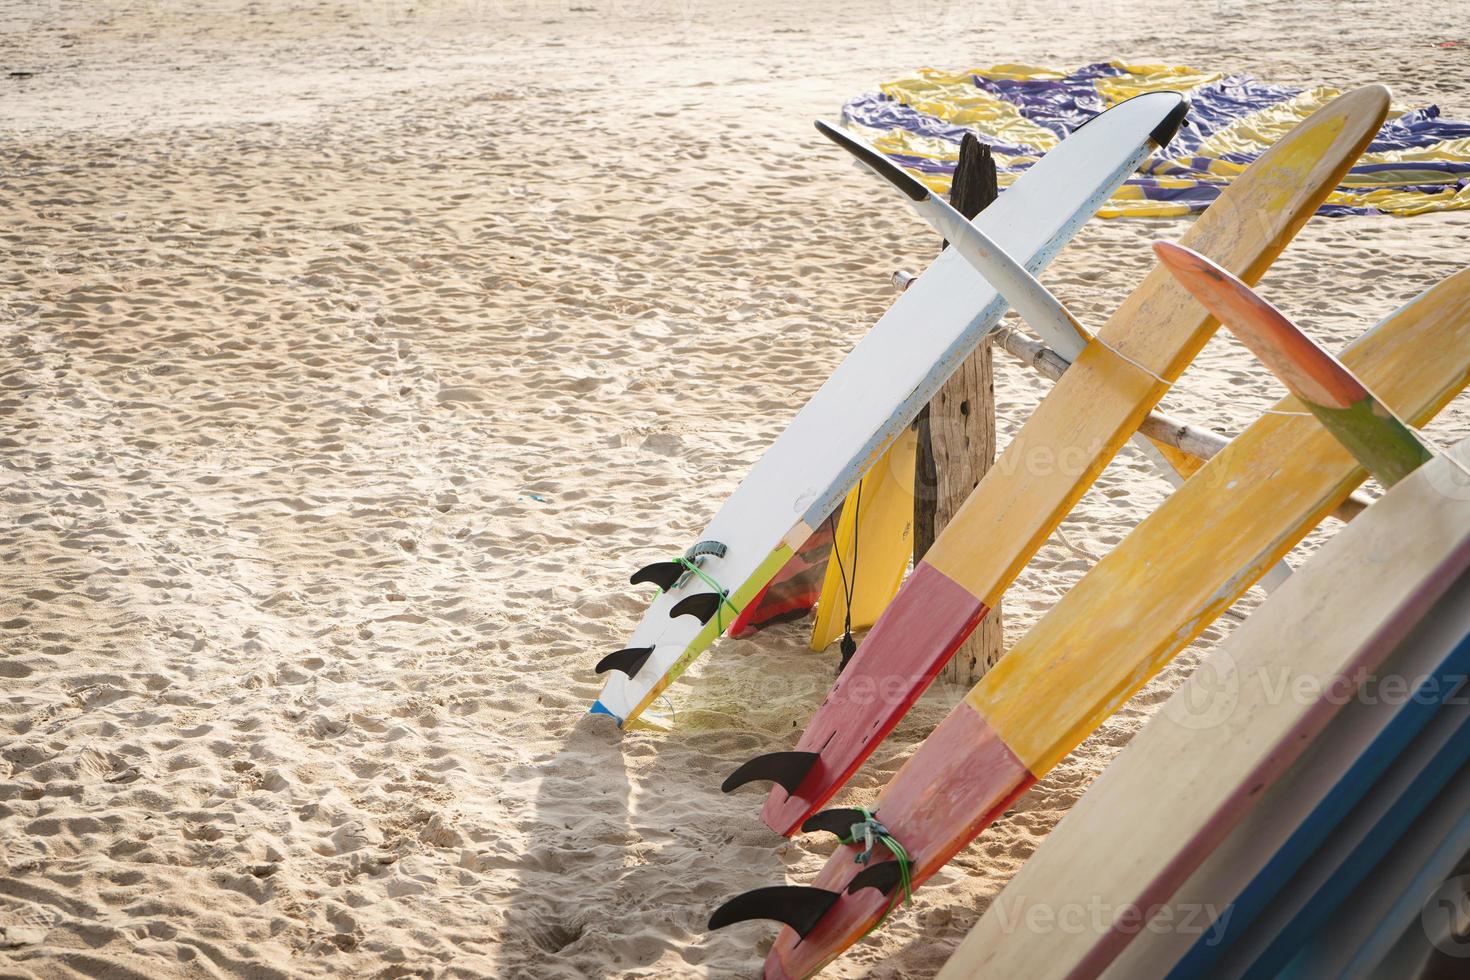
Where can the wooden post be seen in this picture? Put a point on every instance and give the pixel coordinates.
(957, 429)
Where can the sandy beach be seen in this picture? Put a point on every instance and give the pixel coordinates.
(355, 353)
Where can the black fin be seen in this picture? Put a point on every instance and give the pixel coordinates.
(793, 905)
(1165, 131)
(1167, 127)
(837, 821)
(661, 573)
(883, 876)
(702, 606)
(787, 769)
(885, 167)
(629, 661)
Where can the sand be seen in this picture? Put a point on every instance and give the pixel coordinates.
(354, 353)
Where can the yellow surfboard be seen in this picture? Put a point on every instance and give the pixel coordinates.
(872, 545)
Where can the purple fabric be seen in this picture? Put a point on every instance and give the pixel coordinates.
(1061, 105)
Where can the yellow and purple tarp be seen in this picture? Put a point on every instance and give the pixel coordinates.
(1418, 163)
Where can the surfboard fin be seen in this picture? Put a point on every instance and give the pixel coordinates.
(787, 769)
(629, 661)
(671, 574)
(884, 877)
(1163, 134)
(702, 606)
(837, 821)
(661, 573)
(797, 906)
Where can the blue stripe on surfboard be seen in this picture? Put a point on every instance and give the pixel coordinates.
(598, 708)
(1453, 844)
(1382, 752)
(1374, 847)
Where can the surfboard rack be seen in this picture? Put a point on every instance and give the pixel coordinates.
(629, 661)
(786, 769)
(702, 606)
(798, 906)
(837, 821)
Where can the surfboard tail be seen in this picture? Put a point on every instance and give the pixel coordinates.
(960, 781)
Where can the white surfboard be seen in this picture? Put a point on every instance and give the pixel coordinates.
(877, 391)
(1047, 317)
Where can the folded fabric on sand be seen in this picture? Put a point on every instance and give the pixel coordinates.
(1418, 163)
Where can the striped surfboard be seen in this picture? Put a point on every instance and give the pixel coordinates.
(1227, 736)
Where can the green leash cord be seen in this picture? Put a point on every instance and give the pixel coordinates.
(869, 832)
(724, 596)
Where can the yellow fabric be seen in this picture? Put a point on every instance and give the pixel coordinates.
(952, 97)
(882, 529)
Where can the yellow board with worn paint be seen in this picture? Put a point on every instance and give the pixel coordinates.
(872, 545)
(1230, 232)
(1163, 585)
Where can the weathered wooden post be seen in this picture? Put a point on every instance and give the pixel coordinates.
(957, 429)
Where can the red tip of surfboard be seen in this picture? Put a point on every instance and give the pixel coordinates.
(1309, 372)
(962, 778)
(911, 642)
